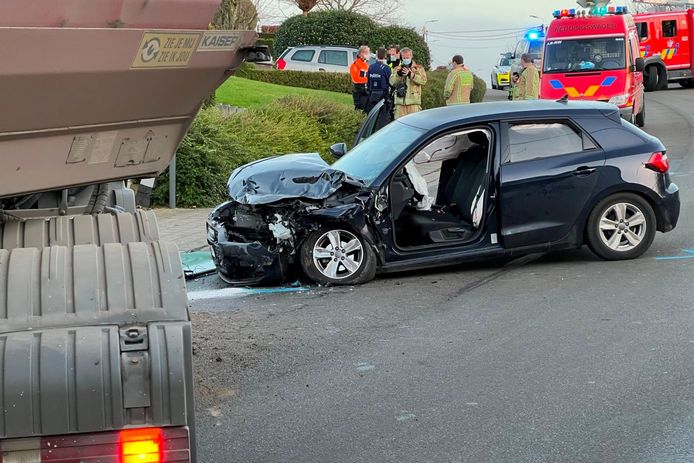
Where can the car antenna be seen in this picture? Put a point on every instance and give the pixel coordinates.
(564, 99)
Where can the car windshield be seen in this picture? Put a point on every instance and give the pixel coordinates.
(504, 62)
(371, 157)
(595, 54)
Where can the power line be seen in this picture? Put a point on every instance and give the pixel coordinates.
(484, 30)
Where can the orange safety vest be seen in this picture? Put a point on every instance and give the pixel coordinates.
(359, 71)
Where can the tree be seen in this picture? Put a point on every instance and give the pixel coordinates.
(379, 10)
(305, 5)
(325, 28)
(236, 14)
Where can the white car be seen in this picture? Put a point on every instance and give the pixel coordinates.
(317, 58)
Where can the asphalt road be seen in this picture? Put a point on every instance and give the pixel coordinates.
(555, 358)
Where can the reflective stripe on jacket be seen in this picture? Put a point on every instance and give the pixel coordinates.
(458, 86)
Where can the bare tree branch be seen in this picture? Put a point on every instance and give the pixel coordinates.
(379, 10)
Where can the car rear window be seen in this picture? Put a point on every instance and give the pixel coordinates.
(535, 141)
(333, 57)
(303, 55)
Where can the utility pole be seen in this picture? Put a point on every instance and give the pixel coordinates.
(425, 32)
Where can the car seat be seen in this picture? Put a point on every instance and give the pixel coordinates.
(453, 218)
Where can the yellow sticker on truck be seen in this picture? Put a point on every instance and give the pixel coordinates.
(166, 49)
(219, 41)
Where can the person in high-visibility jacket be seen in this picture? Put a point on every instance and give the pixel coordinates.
(529, 83)
(459, 83)
(359, 72)
(513, 89)
(393, 56)
(408, 79)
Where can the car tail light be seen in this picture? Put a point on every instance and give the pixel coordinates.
(141, 446)
(659, 162)
(281, 64)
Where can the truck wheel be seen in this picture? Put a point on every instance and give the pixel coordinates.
(621, 227)
(337, 256)
(662, 79)
(641, 117)
(651, 78)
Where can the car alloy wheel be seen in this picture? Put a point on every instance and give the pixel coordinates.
(338, 254)
(622, 227)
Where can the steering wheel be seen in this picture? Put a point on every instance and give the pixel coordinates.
(597, 58)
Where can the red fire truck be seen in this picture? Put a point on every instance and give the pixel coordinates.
(594, 55)
(667, 46)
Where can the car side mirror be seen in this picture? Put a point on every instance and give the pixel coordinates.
(640, 65)
(338, 150)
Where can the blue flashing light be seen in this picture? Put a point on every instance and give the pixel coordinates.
(533, 35)
(557, 14)
(602, 10)
(572, 12)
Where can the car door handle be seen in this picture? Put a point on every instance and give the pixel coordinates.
(584, 170)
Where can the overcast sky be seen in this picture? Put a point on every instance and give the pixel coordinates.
(461, 21)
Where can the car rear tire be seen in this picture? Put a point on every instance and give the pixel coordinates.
(651, 78)
(338, 256)
(641, 116)
(621, 227)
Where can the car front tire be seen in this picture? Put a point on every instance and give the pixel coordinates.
(621, 227)
(338, 256)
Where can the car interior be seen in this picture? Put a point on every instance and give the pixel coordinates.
(439, 195)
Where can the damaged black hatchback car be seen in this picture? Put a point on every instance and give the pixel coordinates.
(446, 186)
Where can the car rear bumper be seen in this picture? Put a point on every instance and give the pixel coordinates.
(668, 208)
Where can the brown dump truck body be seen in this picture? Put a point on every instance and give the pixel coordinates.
(84, 103)
(95, 339)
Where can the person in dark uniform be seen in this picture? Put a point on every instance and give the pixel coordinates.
(379, 88)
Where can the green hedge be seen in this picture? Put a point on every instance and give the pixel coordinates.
(330, 81)
(217, 144)
(432, 96)
(336, 27)
(325, 28)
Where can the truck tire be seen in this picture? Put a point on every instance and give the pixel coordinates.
(338, 256)
(614, 244)
(662, 79)
(80, 229)
(651, 78)
(641, 116)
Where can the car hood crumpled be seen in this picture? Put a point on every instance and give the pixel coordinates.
(284, 177)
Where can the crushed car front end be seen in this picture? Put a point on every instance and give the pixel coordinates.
(256, 236)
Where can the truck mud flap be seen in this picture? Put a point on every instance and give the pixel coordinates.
(79, 380)
(80, 229)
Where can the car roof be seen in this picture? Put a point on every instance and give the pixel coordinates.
(325, 46)
(504, 110)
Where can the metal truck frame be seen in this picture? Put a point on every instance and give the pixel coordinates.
(95, 337)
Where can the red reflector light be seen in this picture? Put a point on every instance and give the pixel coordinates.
(659, 162)
(141, 446)
(281, 64)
